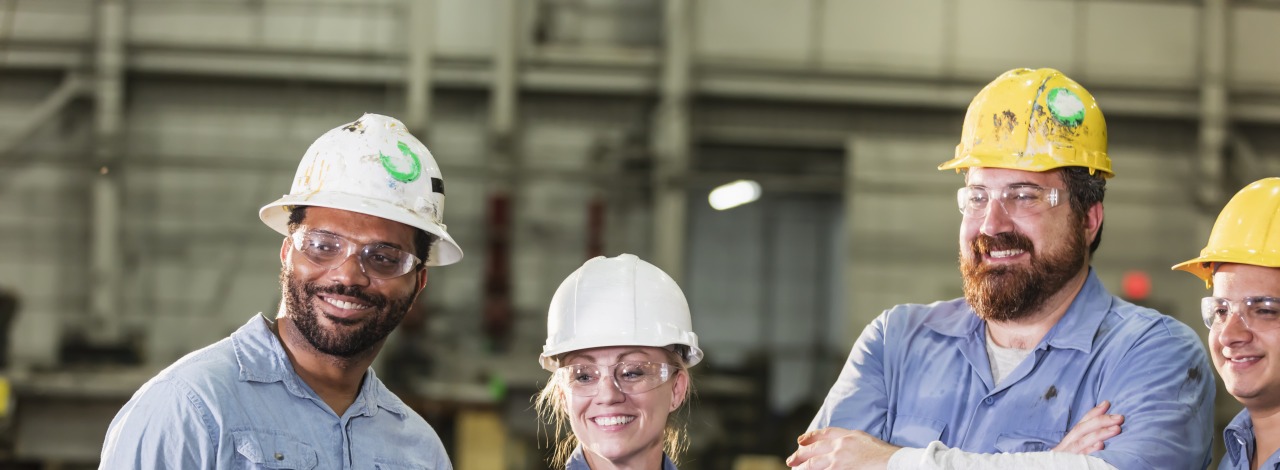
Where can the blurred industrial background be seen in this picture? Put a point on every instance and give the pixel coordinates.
(139, 137)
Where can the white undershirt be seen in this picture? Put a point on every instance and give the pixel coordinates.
(1003, 360)
(939, 457)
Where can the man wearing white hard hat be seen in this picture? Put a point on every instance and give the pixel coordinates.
(619, 345)
(1241, 263)
(361, 225)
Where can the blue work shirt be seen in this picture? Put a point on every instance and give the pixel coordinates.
(239, 404)
(1240, 445)
(920, 373)
(578, 461)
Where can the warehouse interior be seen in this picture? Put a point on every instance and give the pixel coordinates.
(138, 138)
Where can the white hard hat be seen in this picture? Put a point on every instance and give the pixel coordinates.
(372, 166)
(622, 301)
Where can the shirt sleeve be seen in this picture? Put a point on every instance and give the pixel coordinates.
(939, 457)
(164, 425)
(1164, 388)
(859, 400)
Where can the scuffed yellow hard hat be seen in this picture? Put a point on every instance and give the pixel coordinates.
(1033, 120)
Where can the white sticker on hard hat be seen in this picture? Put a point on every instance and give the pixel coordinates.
(1066, 107)
(429, 208)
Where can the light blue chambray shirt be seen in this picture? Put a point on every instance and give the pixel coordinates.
(920, 373)
(578, 461)
(238, 404)
(1240, 443)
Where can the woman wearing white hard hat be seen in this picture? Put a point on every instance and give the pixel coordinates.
(619, 345)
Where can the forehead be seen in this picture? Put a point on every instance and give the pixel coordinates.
(614, 354)
(359, 227)
(1234, 281)
(1000, 177)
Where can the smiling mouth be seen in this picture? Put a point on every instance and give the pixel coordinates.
(342, 304)
(1244, 359)
(613, 420)
(1000, 254)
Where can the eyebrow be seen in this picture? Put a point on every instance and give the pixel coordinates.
(376, 242)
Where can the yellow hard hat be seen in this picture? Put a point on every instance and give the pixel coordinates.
(1033, 120)
(1247, 232)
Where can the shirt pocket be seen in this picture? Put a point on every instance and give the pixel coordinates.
(915, 431)
(275, 450)
(1028, 441)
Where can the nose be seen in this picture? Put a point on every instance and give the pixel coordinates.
(997, 219)
(1233, 331)
(609, 393)
(349, 272)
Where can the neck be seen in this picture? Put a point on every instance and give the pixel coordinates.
(1266, 434)
(336, 380)
(1026, 332)
(645, 459)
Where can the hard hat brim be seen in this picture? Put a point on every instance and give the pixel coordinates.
(276, 215)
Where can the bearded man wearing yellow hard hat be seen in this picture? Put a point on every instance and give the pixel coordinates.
(1241, 263)
(1038, 365)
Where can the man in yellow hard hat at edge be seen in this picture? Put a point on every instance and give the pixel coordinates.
(1241, 263)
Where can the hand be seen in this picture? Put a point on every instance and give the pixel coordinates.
(836, 448)
(1095, 427)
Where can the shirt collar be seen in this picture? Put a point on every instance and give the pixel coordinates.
(578, 461)
(1075, 330)
(262, 358)
(1238, 437)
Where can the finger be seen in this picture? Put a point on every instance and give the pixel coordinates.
(807, 452)
(1096, 411)
(809, 436)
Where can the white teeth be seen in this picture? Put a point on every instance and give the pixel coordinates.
(345, 305)
(1244, 359)
(614, 420)
(1005, 253)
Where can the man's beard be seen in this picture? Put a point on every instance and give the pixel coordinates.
(1005, 293)
(299, 304)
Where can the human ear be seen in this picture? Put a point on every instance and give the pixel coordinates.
(678, 390)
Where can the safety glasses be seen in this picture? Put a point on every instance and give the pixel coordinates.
(631, 378)
(377, 260)
(1017, 200)
(1257, 313)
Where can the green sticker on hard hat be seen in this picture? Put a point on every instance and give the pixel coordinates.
(1066, 107)
(415, 170)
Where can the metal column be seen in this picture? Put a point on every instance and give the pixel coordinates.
(419, 26)
(671, 144)
(106, 257)
(1213, 103)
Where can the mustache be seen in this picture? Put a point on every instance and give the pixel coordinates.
(984, 244)
(349, 291)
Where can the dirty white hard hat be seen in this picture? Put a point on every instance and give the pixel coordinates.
(372, 166)
(620, 301)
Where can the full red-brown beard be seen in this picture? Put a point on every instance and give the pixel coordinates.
(1005, 293)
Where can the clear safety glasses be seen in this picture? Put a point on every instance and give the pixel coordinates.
(631, 378)
(1257, 313)
(376, 260)
(1017, 200)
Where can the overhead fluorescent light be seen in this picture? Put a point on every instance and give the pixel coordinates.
(734, 194)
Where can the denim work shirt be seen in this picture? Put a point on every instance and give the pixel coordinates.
(1240, 445)
(238, 404)
(578, 461)
(920, 373)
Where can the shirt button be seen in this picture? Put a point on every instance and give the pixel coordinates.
(279, 456)
(989, 400)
